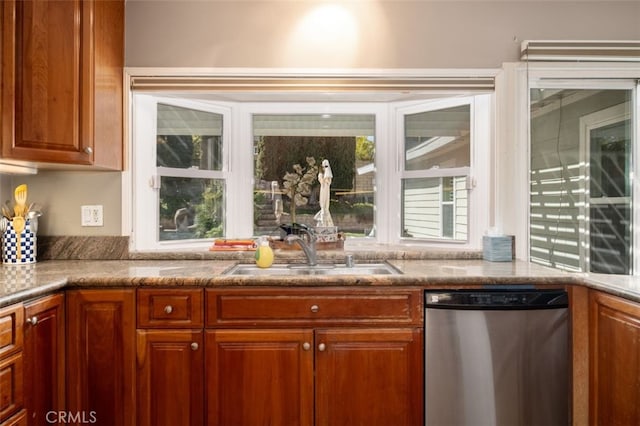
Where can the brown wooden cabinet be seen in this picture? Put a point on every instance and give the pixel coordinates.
(101, 364)
(259, 377)
(62, 64)
(354, 356)
(614, 341)
(170, 357)
(11, 363)
(44, 372)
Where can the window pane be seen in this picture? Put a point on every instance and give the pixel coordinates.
(191, 208)
(295, 146)
(434, 208)
(581, 158)
(188, 138)
(439, 139)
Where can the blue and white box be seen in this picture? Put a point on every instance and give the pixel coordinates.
(498, 248)
(26, 247)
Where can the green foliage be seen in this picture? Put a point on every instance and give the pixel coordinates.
(297, 185)
(365, 149)
(210, 212)
(276, 154)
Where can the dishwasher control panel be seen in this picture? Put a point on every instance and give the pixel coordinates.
(496, 299)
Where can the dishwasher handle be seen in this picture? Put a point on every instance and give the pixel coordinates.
(496, 299)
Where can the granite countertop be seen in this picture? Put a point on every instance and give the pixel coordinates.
(21, 282)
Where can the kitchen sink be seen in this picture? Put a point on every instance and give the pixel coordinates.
(321, 269)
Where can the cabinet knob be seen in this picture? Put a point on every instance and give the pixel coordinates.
(306, 346)
(168, 309)
(315, 308)
(88, 150)
(322, 347)
(33, 320)
(194, 346)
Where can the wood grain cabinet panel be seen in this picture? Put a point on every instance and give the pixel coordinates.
(19, 419)
(329, 306)
(170, 377)
(11, 385)
(44, 373)
(259, 377)
(614, 360)
(170, 308)
(101, 357)
(369, 377)
(62, 81)
(11, 323)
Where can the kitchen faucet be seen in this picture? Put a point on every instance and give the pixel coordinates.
(309, 247)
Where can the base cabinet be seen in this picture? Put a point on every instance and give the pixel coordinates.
(368, 377)
(101, 361)
(330, 356)
(614, 360)
(170, 377)
(44, 368)
(257, 377)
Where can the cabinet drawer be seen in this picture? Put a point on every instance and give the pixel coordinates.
(175, 308)
(11, 386)
(330, 306)
(11, 322)
(19, 419)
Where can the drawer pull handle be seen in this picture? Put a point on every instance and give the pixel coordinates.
(315, 308)
(194, 346)
(88, 150)
(33, 320)
(168, 309)
(322, 347)
(306, 346)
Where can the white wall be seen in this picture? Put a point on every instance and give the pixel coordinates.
(361, 33)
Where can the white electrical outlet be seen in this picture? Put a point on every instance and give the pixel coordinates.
(91, 215)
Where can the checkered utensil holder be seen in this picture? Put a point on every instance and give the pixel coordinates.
(10, 245)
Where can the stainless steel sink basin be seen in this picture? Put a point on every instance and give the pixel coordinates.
(322, 269)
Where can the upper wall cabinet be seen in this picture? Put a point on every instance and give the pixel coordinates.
(62, 65)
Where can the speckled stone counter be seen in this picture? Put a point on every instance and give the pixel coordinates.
(28, 281)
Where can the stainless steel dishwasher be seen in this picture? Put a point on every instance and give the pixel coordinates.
(496, 357)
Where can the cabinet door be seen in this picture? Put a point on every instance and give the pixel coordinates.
(615, 360)
(369, 377)
(259, 377)
(62, 81)
(101, 355)
(44, 358)
(170, 379)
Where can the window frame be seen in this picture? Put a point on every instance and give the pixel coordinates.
(478, 178)
(146, 175)
(598, 79)
(238, 140)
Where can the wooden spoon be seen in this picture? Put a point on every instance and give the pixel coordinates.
(21, 200)
(18, 226)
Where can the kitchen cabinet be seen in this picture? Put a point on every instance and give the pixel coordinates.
(100, 350)
(44, 372)
(614, 354)
(62, 65)
(314, 356)
(170, 357)
(11, 364)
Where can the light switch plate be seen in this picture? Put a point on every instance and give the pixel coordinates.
(91, 215)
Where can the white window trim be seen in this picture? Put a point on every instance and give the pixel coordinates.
(512, 139)
(145, 178)
(479, 177)
(386, 194)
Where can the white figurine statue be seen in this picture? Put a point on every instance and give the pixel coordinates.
(323, 217)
